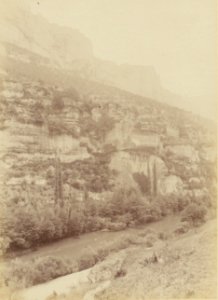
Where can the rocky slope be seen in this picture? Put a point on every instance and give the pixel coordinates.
(139, 139)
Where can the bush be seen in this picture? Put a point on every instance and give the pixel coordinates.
(125, 219)
(194, 214)
(182, 228)
(20, 243)
(121, 273)
(151, 214)
(102, 253)
(94, 223)
(163, 236)
(57, 127)
(35, 271)
(87, 261)
(49, 268)
(57, 103)
(116, 226)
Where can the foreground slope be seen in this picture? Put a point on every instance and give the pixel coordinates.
(182, 266)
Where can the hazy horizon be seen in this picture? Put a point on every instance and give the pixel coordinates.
(177, 38)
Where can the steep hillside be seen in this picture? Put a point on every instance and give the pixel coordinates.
(60, 45)
(80, 123)
(79, 148)
(26, 39)
(29, 38)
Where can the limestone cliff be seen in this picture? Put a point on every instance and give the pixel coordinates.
(59, 45)
(99, 140)
(28, 38)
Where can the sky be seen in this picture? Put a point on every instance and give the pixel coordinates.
(177, 37)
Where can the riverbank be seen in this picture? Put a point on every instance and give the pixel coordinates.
(75, 246)
(188, 262)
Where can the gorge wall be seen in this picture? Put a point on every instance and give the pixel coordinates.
(26, 37)
(57, 97)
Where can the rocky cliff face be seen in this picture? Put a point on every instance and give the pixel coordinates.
(57, 99)
(100, 141)
(60, 45)
(141, 80)
(26, 37)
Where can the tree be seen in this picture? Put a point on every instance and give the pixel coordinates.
(58, 103)
(58, 180)
(149, 177)
(143, 182)
(154, 178)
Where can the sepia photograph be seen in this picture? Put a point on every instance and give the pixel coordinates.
(108, 149)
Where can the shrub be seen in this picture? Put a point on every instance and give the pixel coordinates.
(125, 219)
(116, 226)
(87, 261)
(52, 267)
(194, 214)
(147, 219)
(57, 127)
(94, 223)
(57, 103)
(102, 253)
(163, 236)
(182, 228)
(20, 243)
(24, 274)
(132, 224)
(121, 273)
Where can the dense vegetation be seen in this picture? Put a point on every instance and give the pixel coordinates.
(95, 173)
(38, 270)
(43, 223)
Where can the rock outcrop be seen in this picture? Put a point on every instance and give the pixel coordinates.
(171, 185)
(32, 33)
(128, 164)
(129, 140)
